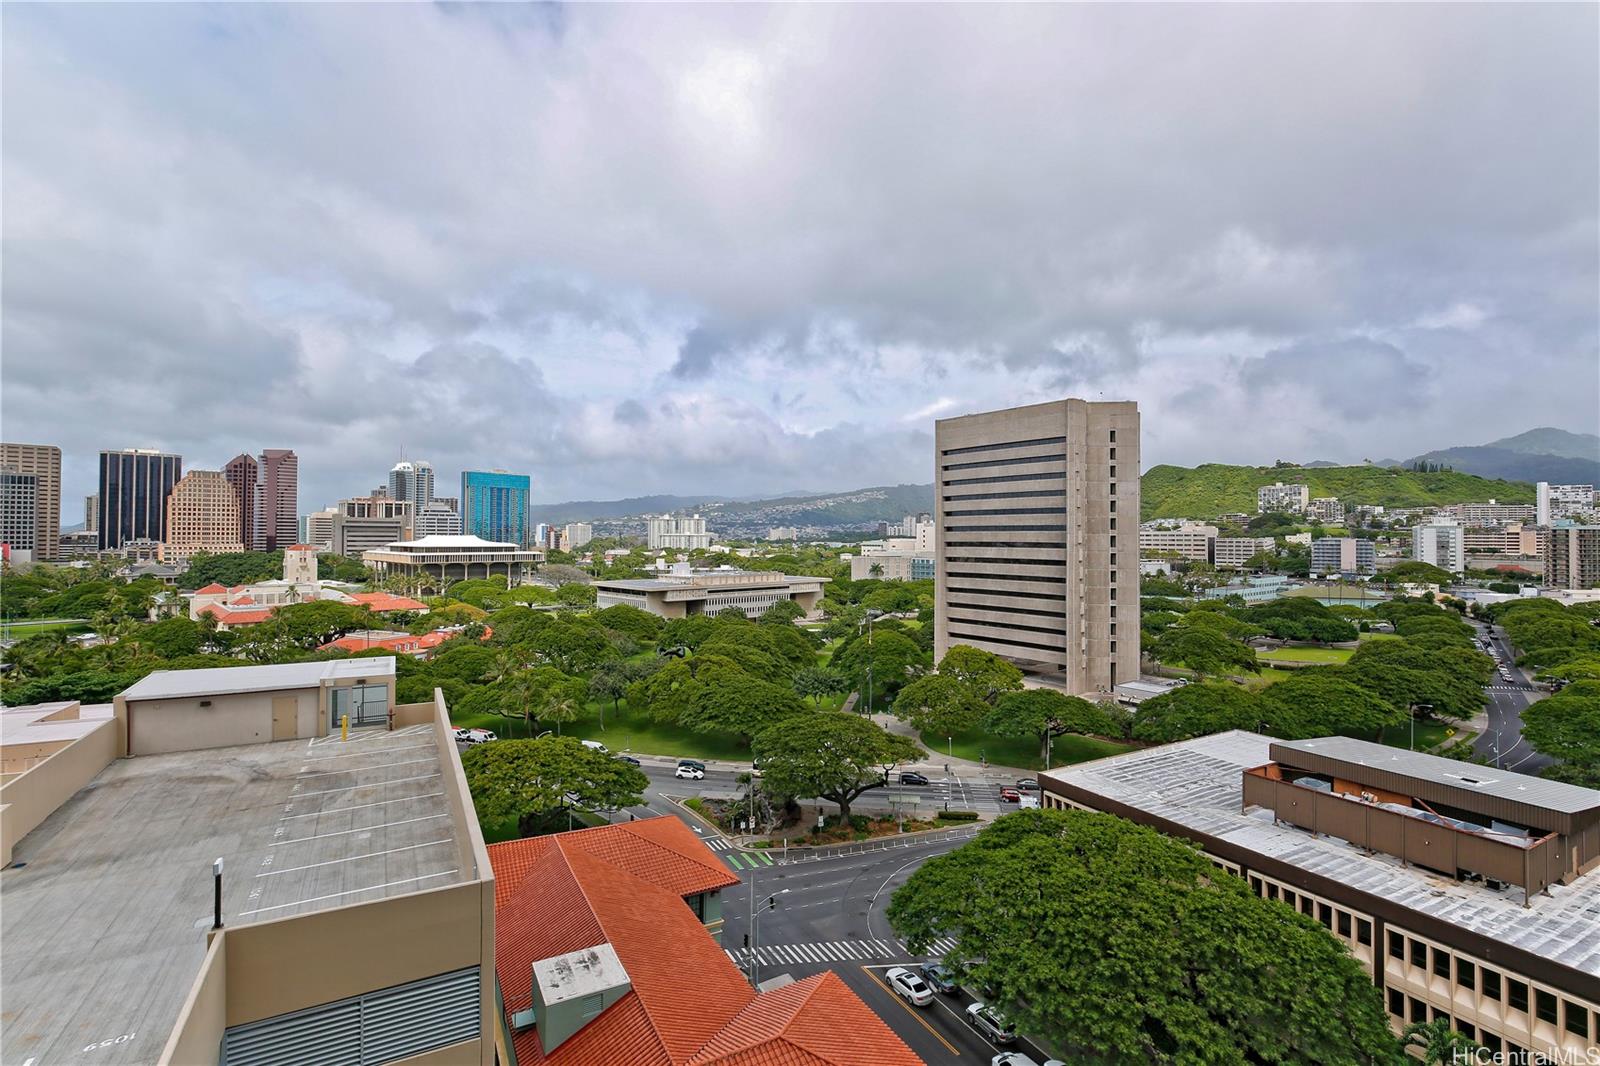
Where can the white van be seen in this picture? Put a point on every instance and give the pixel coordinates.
(1027, 802)
(595, 745)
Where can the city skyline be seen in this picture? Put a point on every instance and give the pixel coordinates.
(794, 287)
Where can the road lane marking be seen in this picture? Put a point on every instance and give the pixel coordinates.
(909, 1009)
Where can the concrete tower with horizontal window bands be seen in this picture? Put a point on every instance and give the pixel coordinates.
(1028, 502)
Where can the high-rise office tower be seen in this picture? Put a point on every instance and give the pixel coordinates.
(277, 517)
(134, 486)
(43, 461)
(1027, 506)
(91, 512)
(412, 481)
(494, 505)
(242, 472)
(202, 516)
(19, 517)
(1572, 558)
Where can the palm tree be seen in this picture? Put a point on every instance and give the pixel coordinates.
(558, 709)
(1441, 1045)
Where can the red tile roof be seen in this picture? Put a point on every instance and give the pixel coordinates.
(301, 548)
(688, 1004)
(211, 589)
(237, 618)
(408, 644)
(384, 601)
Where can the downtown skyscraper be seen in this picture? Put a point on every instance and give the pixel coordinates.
(494, 505)
(134, 486)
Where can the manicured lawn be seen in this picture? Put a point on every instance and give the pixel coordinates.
(24, 629)
(626, 731)
(1267, 676)
(1369, 635)
(1306, 655)
(1023, 751)
(1429, 735)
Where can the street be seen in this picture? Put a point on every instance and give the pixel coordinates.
(1501, 741)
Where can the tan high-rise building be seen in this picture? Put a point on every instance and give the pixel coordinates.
(1028, 502)
(202, 516)
(43, 461)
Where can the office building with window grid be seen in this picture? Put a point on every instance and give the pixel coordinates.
(494, 506)
(134, 486)
(1026, 554)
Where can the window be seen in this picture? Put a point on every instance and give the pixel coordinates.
(1466, 973)
(1113, 472)
(1419, 953)
(1363, 932)
(1113, 541)
(697, 903)
(1397, 945)
(1397, 1004)
(1113, 506)
(1439, 1013)
(1577, 1019)
(1344, 924)
(1288, 897)
(1467, 1029)
(1113, 647)
(1113, 522)
(1113, 489)
(1419, 1010)
(1491, 983)
(1113, 561)
(1325, 915)
(1113, 455)
(1490, 1041)
(1441, 963)
(1272, 891)
(1544, 1005)
(1113, 611)
(1255, 885)
(1517, 994)
(1113, 436)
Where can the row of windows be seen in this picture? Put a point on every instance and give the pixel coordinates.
(998, 479)
(1054, 648)
(1055, 564)
(1575, 1018)
(1411, 1009)
(1019, 461)
(1036, 545)
(1049, 494)
(986, 512)
(1052, 630)
(1052, 597)
(1004, 444)
(1008, 577)
(1006, 529)
(954, 606)
(1333, 918)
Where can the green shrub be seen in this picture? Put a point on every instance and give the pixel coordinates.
(695, 804)
(958, 816)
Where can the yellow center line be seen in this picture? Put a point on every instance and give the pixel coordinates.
(911, 1011)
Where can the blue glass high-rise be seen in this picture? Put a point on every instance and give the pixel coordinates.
(494, 505)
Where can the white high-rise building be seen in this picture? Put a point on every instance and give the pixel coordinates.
(412, 481)
(1442, 543)
(1280, 497)
(1561, 501)
(578, 534)
(682, 534)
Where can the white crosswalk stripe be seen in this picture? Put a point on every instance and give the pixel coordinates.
(822, 951)
(716, 843)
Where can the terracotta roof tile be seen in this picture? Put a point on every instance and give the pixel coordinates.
(383, 601)
(211, 589)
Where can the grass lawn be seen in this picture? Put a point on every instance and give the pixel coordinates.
(1266, 677)
(1429, 735)
(498, 829)
(626, 731)
(22, 630)
(1306, 655)
(1023, 751)
(1369, 635)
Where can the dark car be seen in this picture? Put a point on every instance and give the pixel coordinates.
(1028, 784)
(939, 978)
(630, 760)
(911, 777)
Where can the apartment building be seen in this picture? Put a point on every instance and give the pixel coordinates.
(1467, 893)
(1027, 505)
(1572, 560)
(1280, 497)
(435, 519)
(1188, 541)
(1236, 552)
(1343, 555)
(1561, 501)
(1325, 509)
(680, 534)
(1442, 543)
(1515, 539)
(578, 534)
(114, 844)
(894, 566)
(1492, 513)
(363, 523)
(19, 516)
(494, 505)
(42, 462)
(202, 516)
(319, 528)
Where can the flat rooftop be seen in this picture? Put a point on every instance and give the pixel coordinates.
(228, 680)
(1197, 784)
(34, 723)
(108, 901)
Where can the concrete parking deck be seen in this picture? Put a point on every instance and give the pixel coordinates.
(107, 903)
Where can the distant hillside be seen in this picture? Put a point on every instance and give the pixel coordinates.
(1212, 489)
(1543, 454)
(582, 510)
(838, 510)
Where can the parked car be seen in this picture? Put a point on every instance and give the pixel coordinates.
(475, 736)
(690, 770)
(1028, 803)
(911, 777)
(595, 745)
(939, 978)
(910, 986)
(991, 1023)
(1010, 795)
(1012, 1058)
(630, 760)
(1028, 784)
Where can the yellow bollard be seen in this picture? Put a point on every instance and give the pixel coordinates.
(344, 727)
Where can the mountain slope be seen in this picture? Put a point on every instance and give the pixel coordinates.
(1549, 441)
(1543, 454)
(579, 510)
(1212, 489)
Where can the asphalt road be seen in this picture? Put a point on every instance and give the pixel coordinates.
(1501, 743)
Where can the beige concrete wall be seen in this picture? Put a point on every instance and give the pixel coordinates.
(197, 1036)
(412, 714)
(159, 726)
(16, 758)
(27, 800)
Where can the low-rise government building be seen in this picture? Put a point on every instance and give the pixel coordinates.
(459, 558)
(1468, 893)
(683, 591)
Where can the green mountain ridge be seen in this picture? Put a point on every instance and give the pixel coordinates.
(1215, 488)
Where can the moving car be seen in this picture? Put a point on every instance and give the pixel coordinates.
(1010, 795)
(595, 745)
(911, 777)
(630, 760)
(939, 978)
(690, 770)
(910, 986)
(991, 1023)
(1028, 784)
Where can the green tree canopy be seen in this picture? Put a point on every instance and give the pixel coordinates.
(626, 618)
(830, 754)
(712, 693)
(1196, 711)
(986, 675)
(1322, 702)
(1117, 944)
(1567, 725)
(816, 682)
(1204, 650)
(940, 705)
(888, 658)
(1448, 681)
(538, 781)
(1045, 713)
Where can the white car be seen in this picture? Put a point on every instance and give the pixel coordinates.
(688, 772)
(1017, 1058)
(595, 745)
(475, 736)
(909, 985)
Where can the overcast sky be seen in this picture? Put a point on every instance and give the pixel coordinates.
(744, 250)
